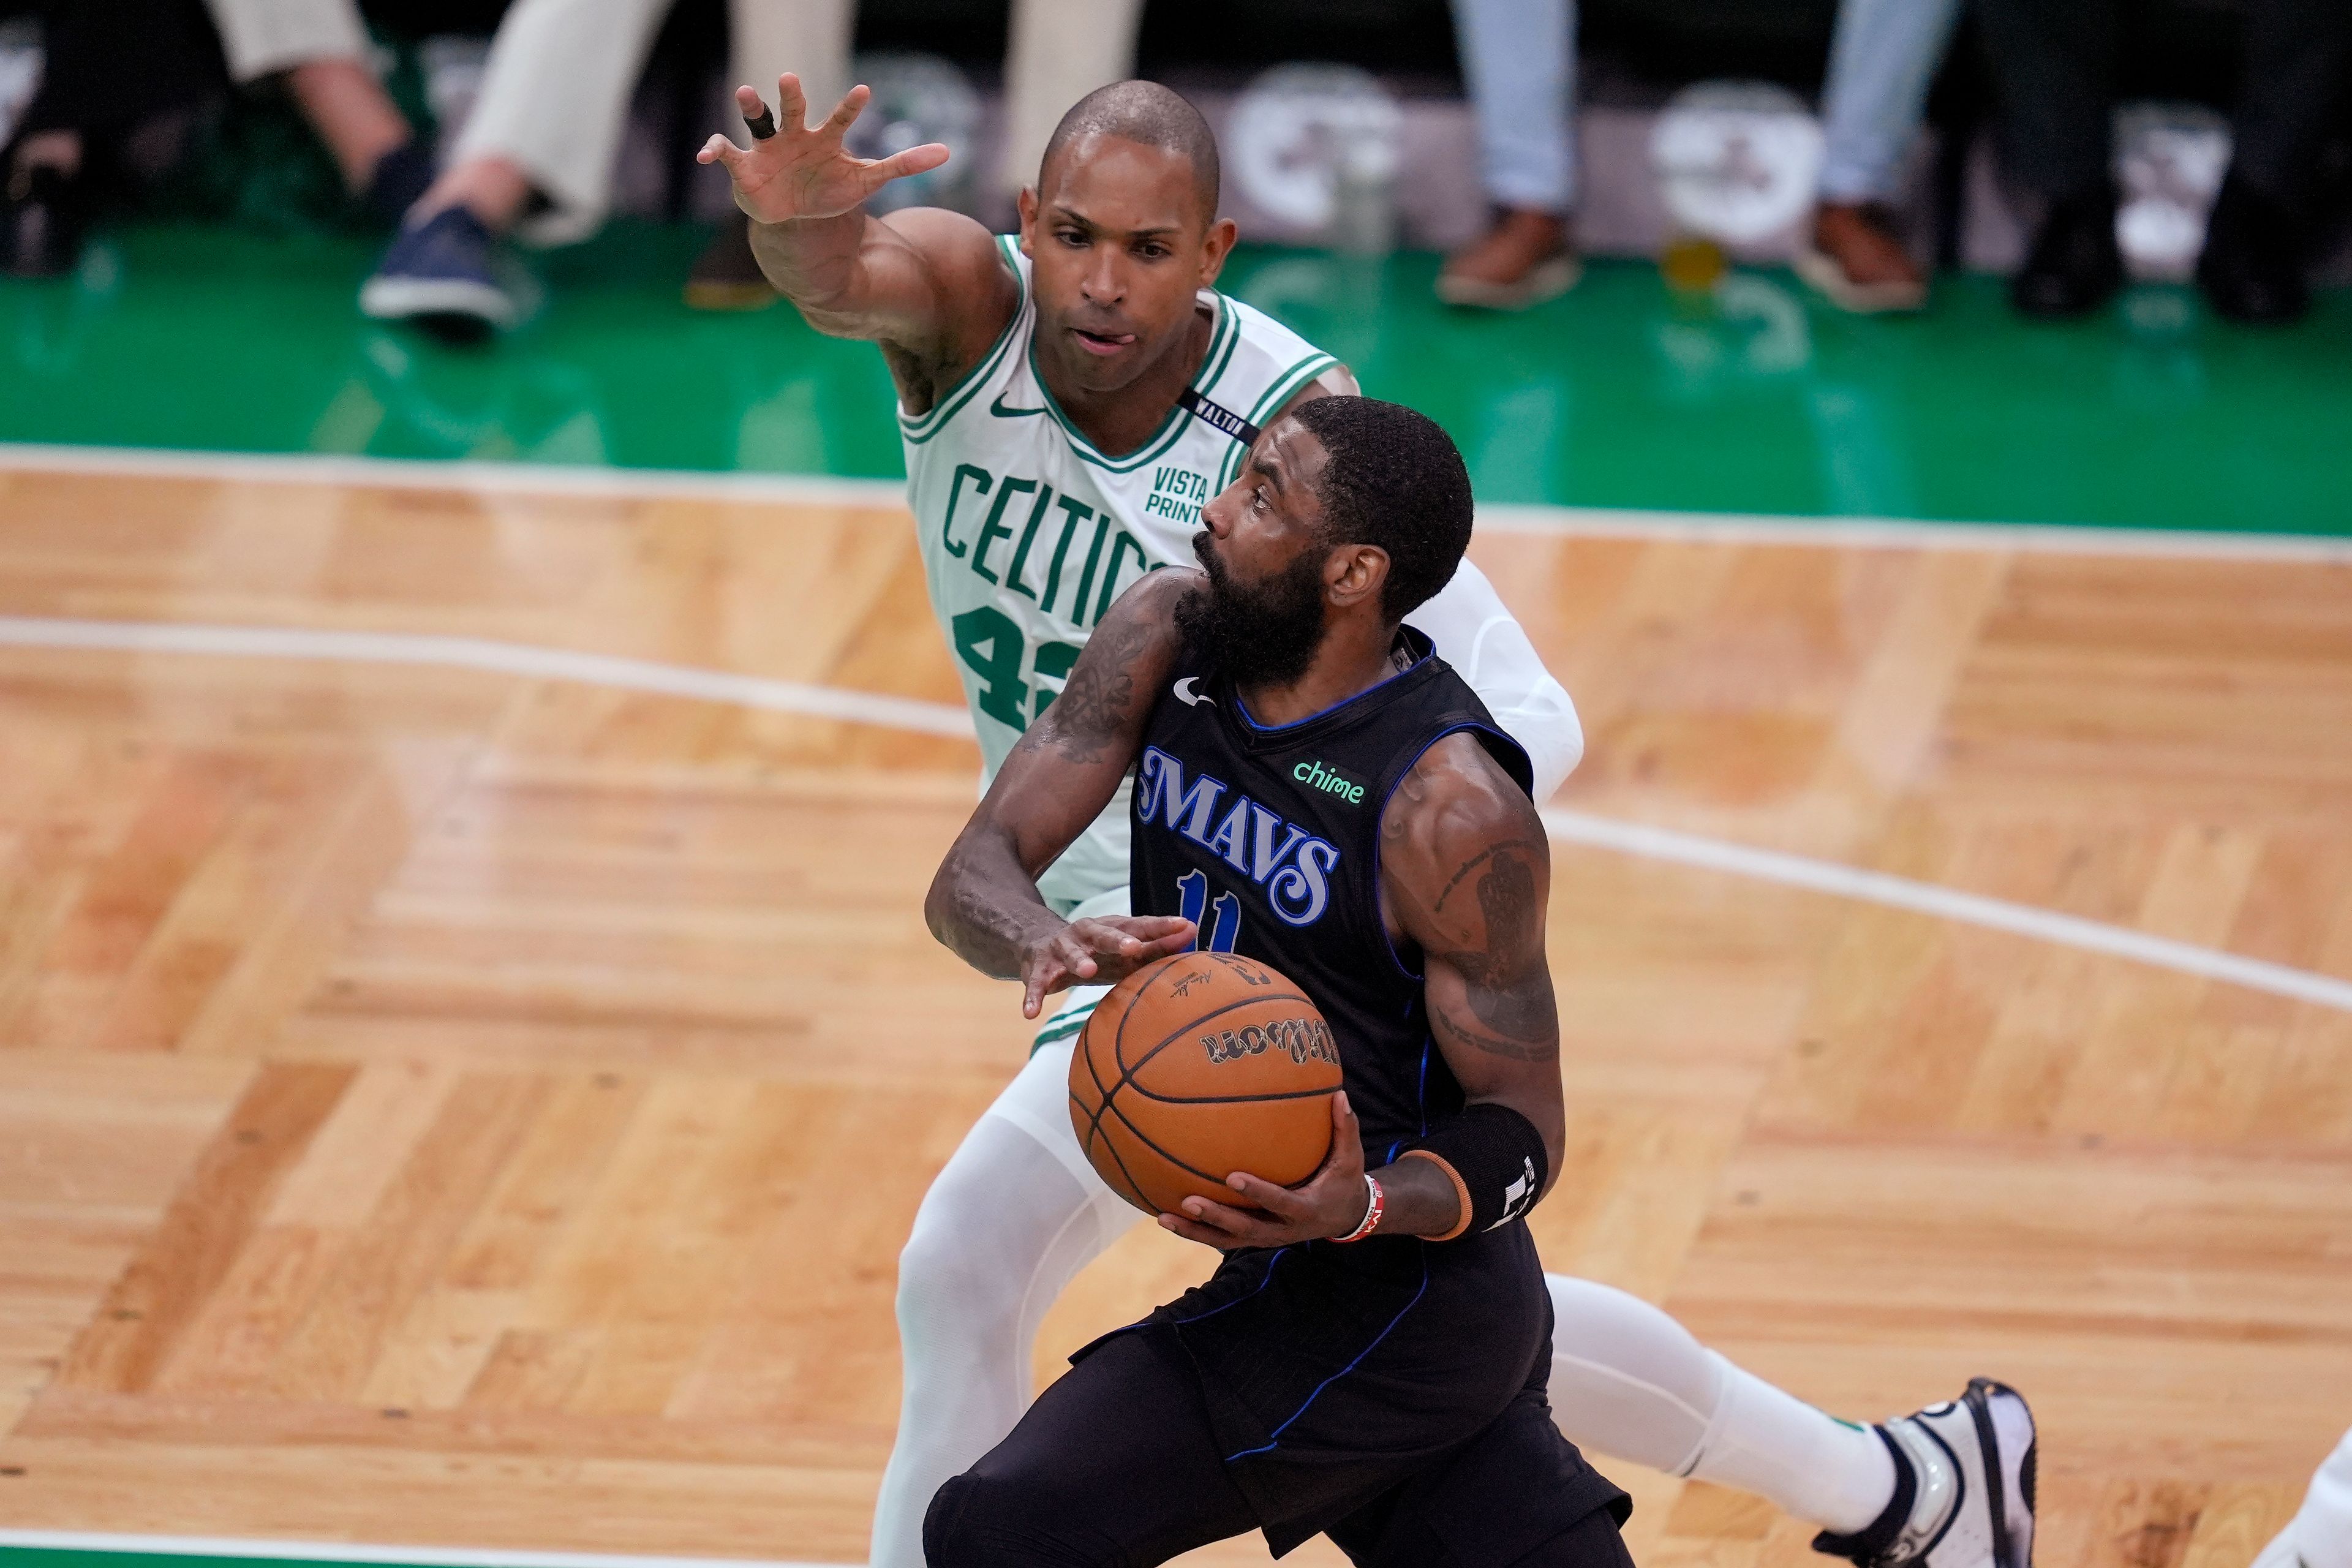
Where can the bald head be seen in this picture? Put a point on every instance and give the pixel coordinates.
(1150, 115)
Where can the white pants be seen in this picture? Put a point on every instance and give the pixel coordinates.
(1059, 51)
(260, 37)
(1018, 1211)
(555, 97)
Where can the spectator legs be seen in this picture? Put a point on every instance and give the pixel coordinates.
(554, 100)
(2055, 64)
(113, 63)
(808, 37)
(2297, 55)
(1519, 57)
(1520, 61)
(1881, 61)
(263, 36)
(1059, 51)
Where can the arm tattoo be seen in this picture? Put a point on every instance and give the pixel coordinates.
(1093, 708)
(1508, 988)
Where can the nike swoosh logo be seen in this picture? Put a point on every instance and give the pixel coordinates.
(1002, 412)
(1188, 691)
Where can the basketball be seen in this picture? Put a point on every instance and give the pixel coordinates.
(1198, 1066)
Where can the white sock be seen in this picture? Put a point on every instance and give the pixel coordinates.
(1629, 1381)
(1829, 1472)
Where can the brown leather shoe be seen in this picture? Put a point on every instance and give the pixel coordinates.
(1523, 261)
(726, 276)
(1855, 260)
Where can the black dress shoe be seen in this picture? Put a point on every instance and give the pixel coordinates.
(2252, 269)
(43, 222)
(2073, 267)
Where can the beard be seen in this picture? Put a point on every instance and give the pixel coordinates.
(1265, 634)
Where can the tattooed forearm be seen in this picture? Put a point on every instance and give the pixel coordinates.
(1542, 1047)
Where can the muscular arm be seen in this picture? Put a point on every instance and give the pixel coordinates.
(983, 903)
(1465, 873)
(926, 284)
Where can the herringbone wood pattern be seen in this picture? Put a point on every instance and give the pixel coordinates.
(438, 1107)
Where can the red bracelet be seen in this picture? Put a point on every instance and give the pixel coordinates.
(1372, 1206)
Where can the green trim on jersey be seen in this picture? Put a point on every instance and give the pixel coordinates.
(1063, 1026)
(1286, 386)
(1221, 344)
(923, 427)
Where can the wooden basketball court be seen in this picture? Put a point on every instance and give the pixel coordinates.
(442, 1105)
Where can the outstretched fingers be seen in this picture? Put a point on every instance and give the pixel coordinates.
(791, 103)
(920, 160)
(718, 150)
(844, 113)
(754, 111)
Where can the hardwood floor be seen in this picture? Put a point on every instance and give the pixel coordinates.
(446, 1107)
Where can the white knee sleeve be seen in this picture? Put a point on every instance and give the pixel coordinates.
(1628, 1380)
(1014, 1216)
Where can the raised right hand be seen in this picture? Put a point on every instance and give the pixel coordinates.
(1098, 953)
(803, 171)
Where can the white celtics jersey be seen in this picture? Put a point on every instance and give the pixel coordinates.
(1029, 533)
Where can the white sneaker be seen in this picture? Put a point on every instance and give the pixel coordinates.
(1973, 1468)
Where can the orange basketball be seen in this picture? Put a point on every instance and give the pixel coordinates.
(1198, 1066)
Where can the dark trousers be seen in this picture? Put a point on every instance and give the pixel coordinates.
(1116, 1465)
(110, 64)
(2055, 61)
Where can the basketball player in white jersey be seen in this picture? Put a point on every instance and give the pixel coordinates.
(1068, 399)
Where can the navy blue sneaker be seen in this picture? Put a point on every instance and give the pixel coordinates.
(443, 276)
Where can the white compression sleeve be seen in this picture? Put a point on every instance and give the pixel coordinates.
(1006, 1227)
(1475, 633)
(1629, 1381)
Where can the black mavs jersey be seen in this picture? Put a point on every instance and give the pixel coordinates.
(1326, 1367)
(1268, 839)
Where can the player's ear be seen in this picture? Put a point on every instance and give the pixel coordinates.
(1356, 573)
(1214, 249)
(1026, 204)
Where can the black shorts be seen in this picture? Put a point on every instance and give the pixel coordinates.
(1116, 1465)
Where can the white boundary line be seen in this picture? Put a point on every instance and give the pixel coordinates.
(1948, 903)
(941, 719)
(344, 1551)
(660, 484)
(490, 658)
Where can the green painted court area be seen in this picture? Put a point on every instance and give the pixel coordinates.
(1753, 398)
(375, 1557)
(51, 1557)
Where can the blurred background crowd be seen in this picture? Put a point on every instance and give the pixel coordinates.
(2069, 143)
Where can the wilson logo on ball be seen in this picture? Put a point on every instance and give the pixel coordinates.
(1302, 1039)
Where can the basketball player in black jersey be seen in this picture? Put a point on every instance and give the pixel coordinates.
(1368, 1359)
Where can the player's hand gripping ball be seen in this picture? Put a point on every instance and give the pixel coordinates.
(1198, 1066)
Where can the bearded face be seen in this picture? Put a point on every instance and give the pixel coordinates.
(1262, 632)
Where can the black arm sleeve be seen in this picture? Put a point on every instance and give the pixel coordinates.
(1497, 1159)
